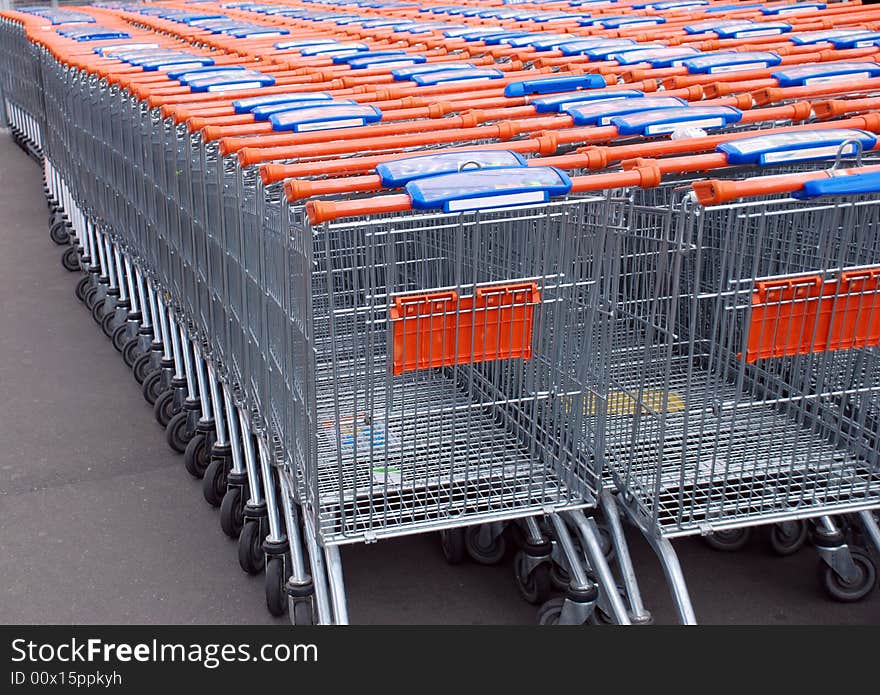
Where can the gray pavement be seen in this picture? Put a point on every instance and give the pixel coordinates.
(99, 522)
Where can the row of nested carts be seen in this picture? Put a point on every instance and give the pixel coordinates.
(519, 274)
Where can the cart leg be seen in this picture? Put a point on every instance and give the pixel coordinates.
(872, 530)
(581, 595)
(319, 572)
(337, 585)
(637, 611)
(300, 588)
(608, 592)
(675, 578)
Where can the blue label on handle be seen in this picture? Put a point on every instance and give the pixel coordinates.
(601, 113)
(399, 172)
(186, 74)
(808, 38)
(604, 52)
(340, 60)
(251, 103)
(317, 50)
(406, 73)
(789, 9)
(862, 39)
(222, 82)
(550, 85)
(325, 118)
(488, 189)
(359, 62)
(264, 113)
(816, 73)
(665, 121)
(752, 30)
(733, 61)
(302, 43)
(556, 102)
(795, 146)
(436, 77)
(713, 24)
(852, 184)
(657, 57)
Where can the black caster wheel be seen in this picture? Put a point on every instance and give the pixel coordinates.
(559, 577)
(276, 581)
(550, 611)
(196, 456)
(851, 591)
(119, 338)
(59, 234)
(250, 547)
(534, 587)
(141, 367)
(163, 407)
(70, 259)
(452, 545)
(232, 512)
(151, 386)
(787, 537)
(176, 432)
(214, 481)
(729, 540)
(81, 287)
(90, 297)
(107, 325)
(490, 554)
(130, 352)
(98, 310)
(303, 613)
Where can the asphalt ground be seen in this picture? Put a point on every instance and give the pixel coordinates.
(100, 523)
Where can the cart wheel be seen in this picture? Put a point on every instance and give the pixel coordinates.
(130, 352)
(176, 433)
(276, 592)
(59, 234)
(858, 588)
(729, 540)
(490, 554)
(107, 325)
(606, 542)
(231, 512)
(81, 287)
(548, 614)
(141, 367)
(599, 617)
(90, 296)
(535, 586)
(196, 456)
(163, 408)
(787, 537)
(214, 481)
(151, 388)
(303, 613)
(452, 545)
(98, 310)
(250, 547)
(118, 338)
(70, 259)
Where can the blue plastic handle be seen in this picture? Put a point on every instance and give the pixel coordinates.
(117, 49)
(603, 112)
(191, 62)
(302, 43)
(264, 113)
(503, 37)
(852, 184)
(316, 50)
(436, 77)
(542, 42)
(555, 102)
(795, 146)
(665, 121)
(857, 40)
(580, 47)
(186, 74)
(617, 22)
(247, 32)
(221, 82)
(399, 172)
(406, 73)
(251, 103)
(604, 51)
(753, 29)
(796, 7)
(674, 4)
(551, 85)
(713, 24)
(713, 63)
(808, 38)
(322, 117)
(657, 57)
(341, 60)
(736, 6)
(488, 189)
(824, 72)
